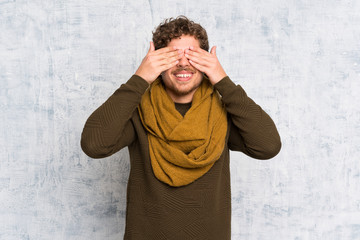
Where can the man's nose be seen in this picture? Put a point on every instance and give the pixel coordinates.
(183, 61)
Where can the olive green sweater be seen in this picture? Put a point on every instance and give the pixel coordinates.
(200, 210)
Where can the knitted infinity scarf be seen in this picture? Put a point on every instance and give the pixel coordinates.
(182, 149)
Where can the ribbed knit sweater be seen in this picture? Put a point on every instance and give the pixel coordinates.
(200, 210)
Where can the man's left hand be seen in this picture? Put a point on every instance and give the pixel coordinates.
(206, 62)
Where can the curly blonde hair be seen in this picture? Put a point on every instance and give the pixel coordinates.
(173, 28)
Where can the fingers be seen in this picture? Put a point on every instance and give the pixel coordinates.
(167, 54)
(165, 50)
(164, 60)
(169, 64)
(170, 61)
(152, 47)
(199, 50)
(206, 62)
(200, 57)
(198, 54)
(198, 66)
(177, 54)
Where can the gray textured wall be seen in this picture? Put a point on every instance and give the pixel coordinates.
(60, 59)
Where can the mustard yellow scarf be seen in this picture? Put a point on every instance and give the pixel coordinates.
(182, 149)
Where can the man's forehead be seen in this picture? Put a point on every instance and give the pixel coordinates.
(184, 42)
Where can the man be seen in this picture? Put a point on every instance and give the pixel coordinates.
(179, 115)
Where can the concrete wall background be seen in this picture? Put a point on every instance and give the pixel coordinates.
(60, 59)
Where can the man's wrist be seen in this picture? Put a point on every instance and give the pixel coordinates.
(218, 78)
(143, 77)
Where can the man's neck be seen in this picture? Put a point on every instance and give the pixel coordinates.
(182, 108)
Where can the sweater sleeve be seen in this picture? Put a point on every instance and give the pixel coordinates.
(252, 131)
(109, 128)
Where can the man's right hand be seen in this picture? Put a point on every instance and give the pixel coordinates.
(155, 62)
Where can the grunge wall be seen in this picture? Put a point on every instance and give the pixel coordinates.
(299, 60)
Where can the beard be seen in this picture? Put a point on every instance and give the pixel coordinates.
(177, 88)
(182, 92)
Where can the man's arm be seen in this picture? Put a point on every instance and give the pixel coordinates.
(252, 130)
(109, 128)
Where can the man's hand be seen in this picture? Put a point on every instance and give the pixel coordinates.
(155, 62)
(206, 62)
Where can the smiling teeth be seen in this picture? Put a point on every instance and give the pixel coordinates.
(183, 75)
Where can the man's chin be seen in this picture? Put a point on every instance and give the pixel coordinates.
(185, 90)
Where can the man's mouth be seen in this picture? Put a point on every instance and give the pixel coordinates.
(183, 75)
